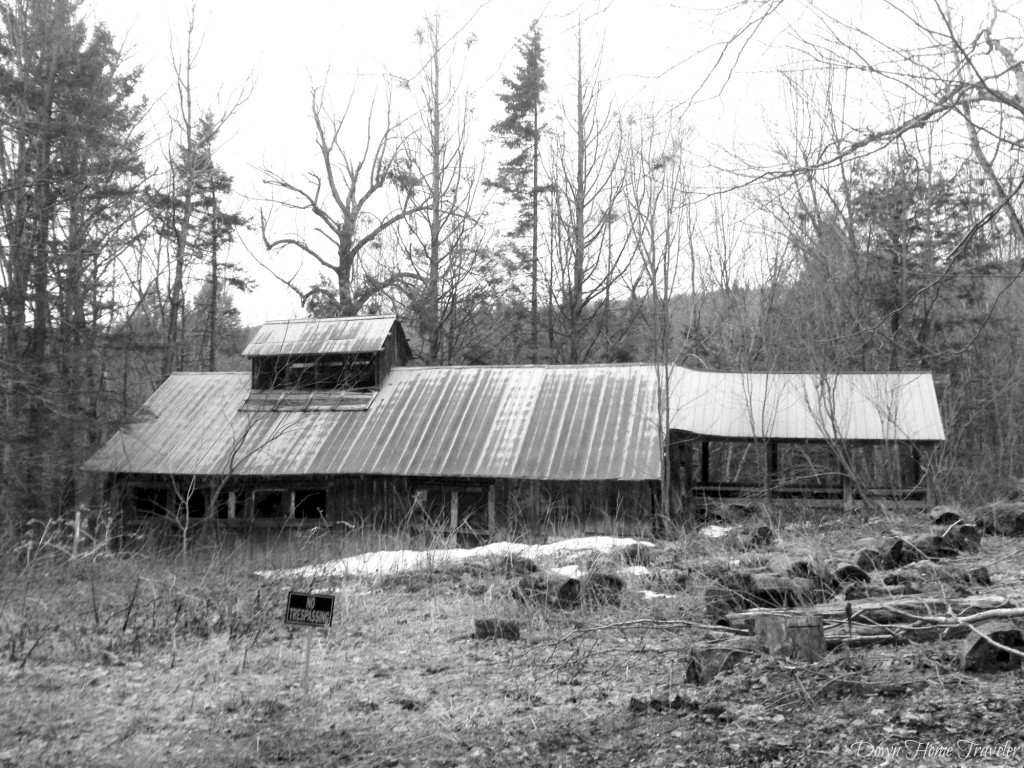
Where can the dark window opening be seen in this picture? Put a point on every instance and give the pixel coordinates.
(150, 501)
(221, 506)
(358, 371)
(270, 504)
(194, 504)
(311, 503)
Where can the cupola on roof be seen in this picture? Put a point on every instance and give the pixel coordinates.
(327, 336)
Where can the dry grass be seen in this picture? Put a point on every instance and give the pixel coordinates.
(148, 659)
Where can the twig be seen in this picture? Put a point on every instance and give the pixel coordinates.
(974, 618)
(95, 605)
(39, 639)
(131, 604)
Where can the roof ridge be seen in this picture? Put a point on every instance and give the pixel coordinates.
(329, 319)
(210, 373)
(526, 366)
(787, 372)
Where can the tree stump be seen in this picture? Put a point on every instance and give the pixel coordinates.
(792, 635)
(707, 661)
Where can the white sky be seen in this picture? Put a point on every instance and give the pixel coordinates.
(650, 55)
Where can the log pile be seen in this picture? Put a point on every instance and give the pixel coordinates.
(794, 611)
(992, 629)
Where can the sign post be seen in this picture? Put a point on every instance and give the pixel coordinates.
(311, 611)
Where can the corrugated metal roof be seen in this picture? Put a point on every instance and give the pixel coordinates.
(552, 423)
(336, 335)
(798, 406)
(594, 422)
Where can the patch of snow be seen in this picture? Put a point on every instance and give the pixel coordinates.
(715, 531)
(405, 560)
(569, 571)
(637, 571)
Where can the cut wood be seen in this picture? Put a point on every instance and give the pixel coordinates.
(561, 591)
(863, 636)
(881, 554)
(994, 646)
(920, 574)
(865, 591)
(845, 572)
(899, 611)
(549, 587)
(966, 538)
(928, 547)
(943, 515)
(1003, 519)
(500, 629)
(707, 661)
(753, 590)
(968, 617)
(793, 635)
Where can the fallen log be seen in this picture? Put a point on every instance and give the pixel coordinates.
(921, 574)
(757, 590)
(933, 610)
(863, 591)
(863, 636)
(898, 611)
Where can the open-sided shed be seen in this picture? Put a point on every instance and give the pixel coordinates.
(809, 435)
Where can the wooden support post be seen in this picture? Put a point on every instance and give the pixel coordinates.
(455, 511)
(847, 493)
(686, 459)
(305, 666)
(492, 522)
(291, 505)
(232, 504)
(929, 481)
(771, 469)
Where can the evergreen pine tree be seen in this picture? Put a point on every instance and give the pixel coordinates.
(520, 131)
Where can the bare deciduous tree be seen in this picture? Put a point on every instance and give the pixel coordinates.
(340, 203)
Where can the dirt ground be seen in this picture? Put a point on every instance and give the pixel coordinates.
(399, 680)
